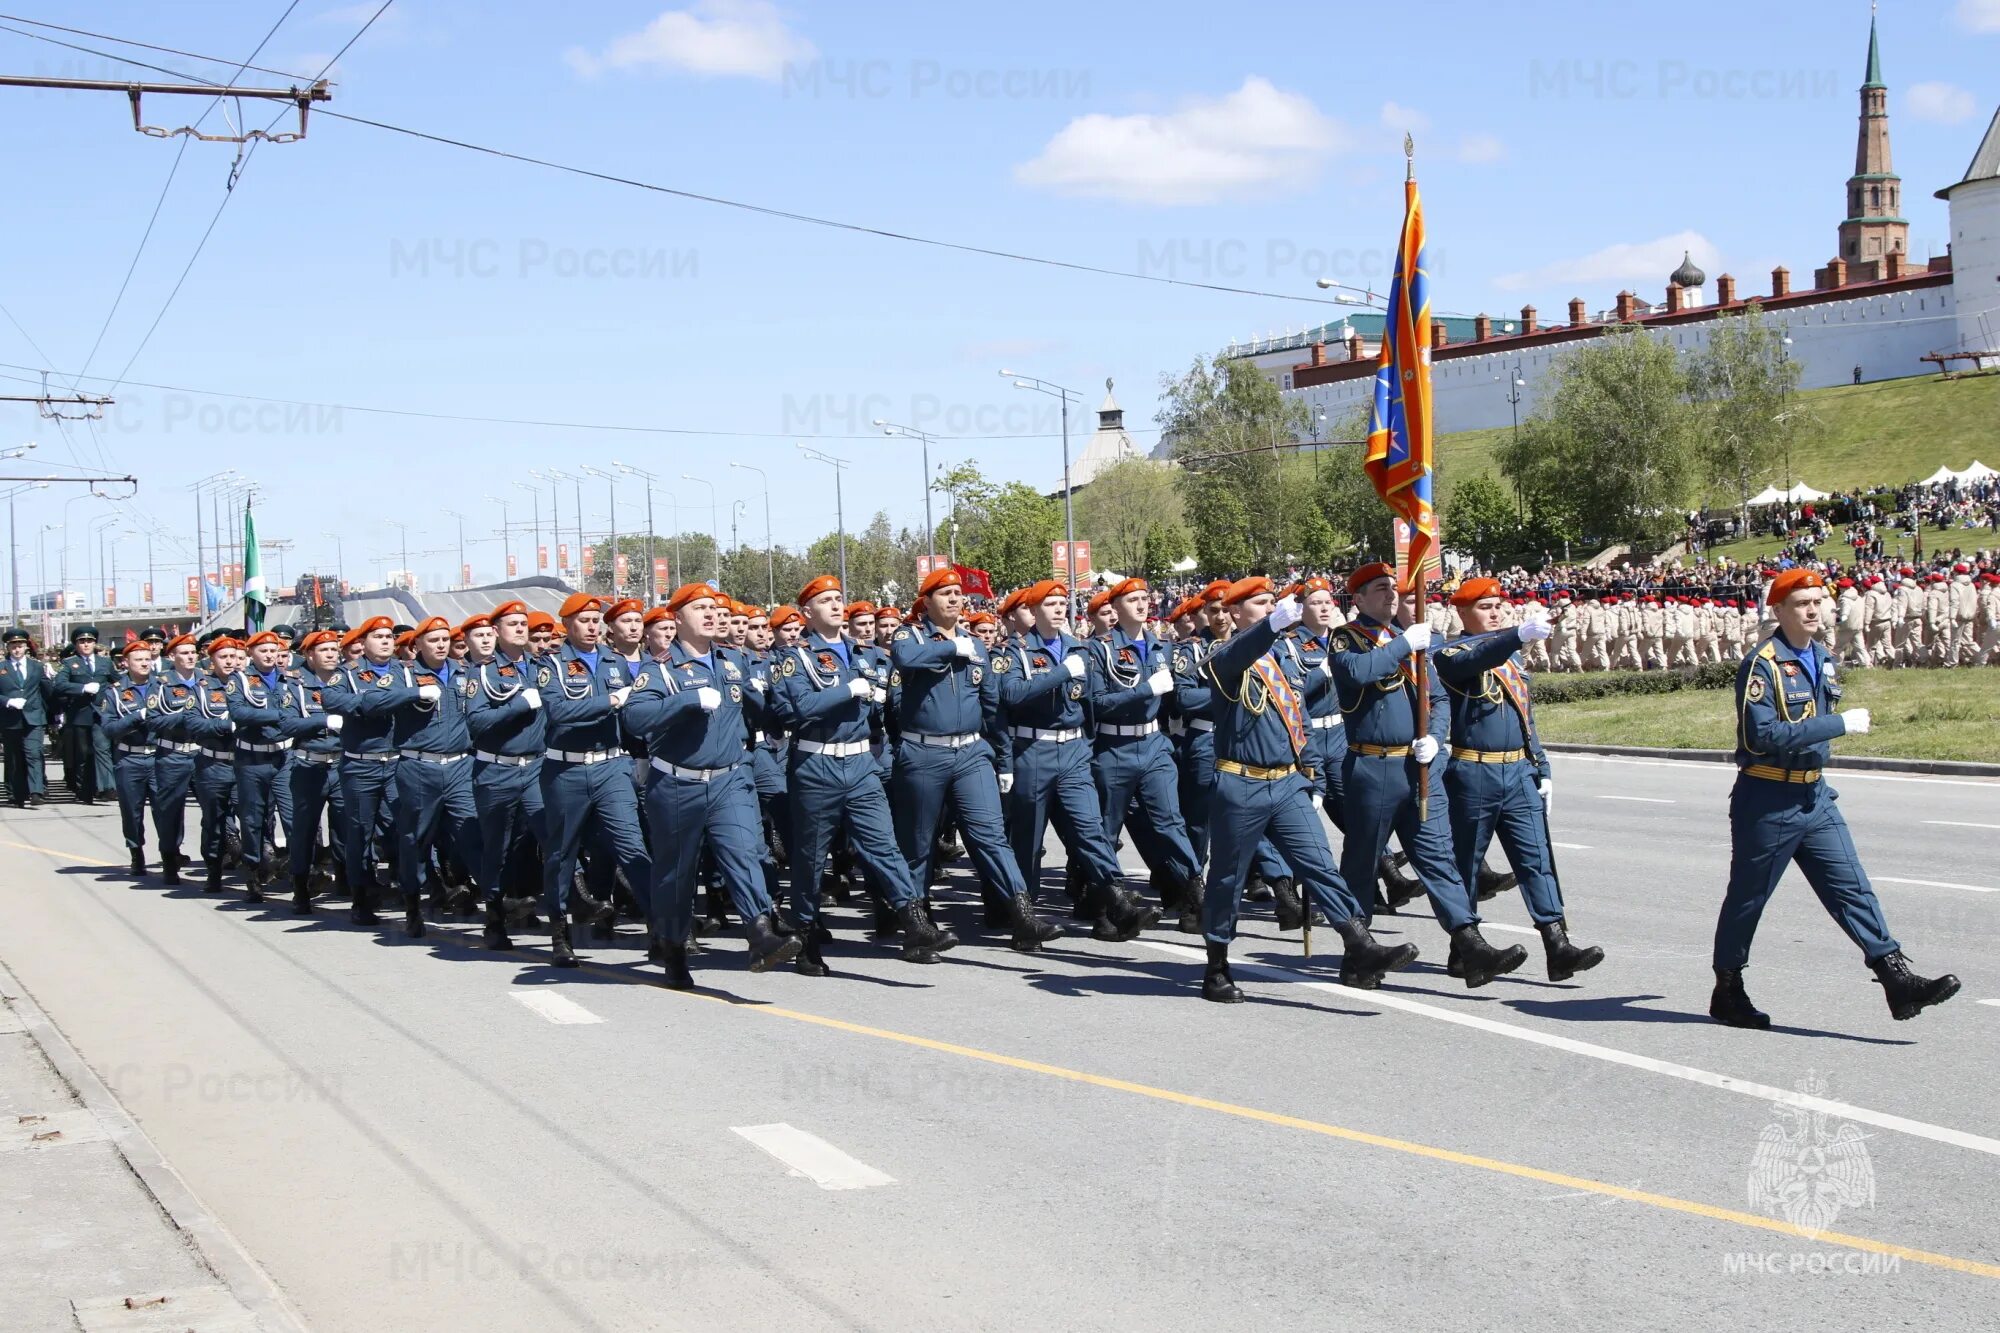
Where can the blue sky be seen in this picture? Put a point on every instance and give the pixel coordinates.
(1565, 149)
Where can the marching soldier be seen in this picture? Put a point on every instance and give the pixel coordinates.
(434, 764)
(1499, 780)
(177, 695)
(506, 724)
(256, 714)
(207, 724)
(312, 778)
(365, 697)
(125, 712)
(81, 678)
(1782, 811)
(25, 687)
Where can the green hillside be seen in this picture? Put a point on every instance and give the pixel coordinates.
(1888, 433)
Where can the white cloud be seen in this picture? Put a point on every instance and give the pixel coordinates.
(1472, 149)
(1945, 103)
(1642, 264)
(740, 37)
(1404, 119)
(1256, 140)
(1481, 148)
(1978, 15)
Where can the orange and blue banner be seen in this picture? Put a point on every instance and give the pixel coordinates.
(1399, 454)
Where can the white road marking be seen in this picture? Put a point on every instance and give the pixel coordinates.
(1612, 1055)
(813, 1157)
(1959, 823)
(1648, 800)
(1935, 884)
(1572, 846)
(1996, 1003)
(555, 1008)
(1845, 774)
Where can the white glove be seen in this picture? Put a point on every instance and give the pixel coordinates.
(93, 687)
(709, 698)
(1535, 625)
(1418, 636)
(17, 703)
(430, 694)
(1285, 614)
(878, 695)
(619, 696)
(531, 697)
(1006, 783)
(758, 683)
(1858, 721)
(334, 722)
(1547, 788)
(1424, 749)
(1076, 666)
(966, 648)
(860, 687)
(1160, 682)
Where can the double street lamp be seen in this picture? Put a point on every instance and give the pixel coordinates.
(1069, 509)
(770, 558)
(912, 433)
(714, 527)
(838, 465)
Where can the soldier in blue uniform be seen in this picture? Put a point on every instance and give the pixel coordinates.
(433, 765)
(313, 777)
(1042, 697)
(365, 696)
(586, 775)
(767, 751)
(1131, 677)
(945, 697)
(1387, 760)
(256, 699)
(208, 725)
(694, 711)
(1781, 810)
(824, 692)
(125, 713)
(508, 729)
(1263, 788)
(177, 697)
(1499, 776)
(24, 719)
(82, 677)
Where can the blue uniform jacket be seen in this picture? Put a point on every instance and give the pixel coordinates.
(367, 696)
(28, 680)
(497, 717)
(434, 726)
(302, 714)
(812, 695)
(665, 709)
(1119, 667)
(256, 706)
(1377, 695)
(1785, 714)
(78, 708)
(1491, 706)
(577, 700)
(174, 700)
(1035, 691)
(122, 712)
(207, 722)
(939, 692)
(1249, 728)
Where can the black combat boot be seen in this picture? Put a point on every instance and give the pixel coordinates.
(560, 946)
(413, 915)
(170, 868)
(886, 920)
(1397, 887)
(1030, 931)
(1192, 895)
(1364, 959)
(1256, 889)
(138, 864)
(587, 910)
(674, 958)
(520, 913)
(253, 884)
(1565, 959)
(1492, 883)
(302, 894)
(362, 913)
(919, 929)
(769, 949)
(213, 882)
(1730, 1005)
(1291, 912)
(809, 962)
(1478, 961)
(1909, 994)
(1217, 985)
(495, 935)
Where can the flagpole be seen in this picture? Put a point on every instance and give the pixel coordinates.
(1417, 574)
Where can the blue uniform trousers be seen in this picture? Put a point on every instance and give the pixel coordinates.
(1053, 780)
(1244, 812)
(86, 759)
(259, 792)
(1329, 751)
(364, 789)
(1501, 798)
(1773, 825)
(173, 774)
(24, 762)
(685, 815)
(215, 793)
(1382, 799)
(925, 777)
(829, 795)
(596, 800)
(1139, 770)
(134, 775)
(314, 787)
(432, 796)
(508, 801)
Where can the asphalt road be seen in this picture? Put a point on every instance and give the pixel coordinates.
(422, 1135)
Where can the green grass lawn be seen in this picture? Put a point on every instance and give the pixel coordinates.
(1917, 715)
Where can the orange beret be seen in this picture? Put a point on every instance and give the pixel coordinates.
(429, 625)
(264, 637)
(860, 611)
(406, 639)
(177, 641)
(217, 645)
(1214, 591)
(1307, 587)
(1123, 586)
(937, 579)
(1035, 594)
(815, 586)
(1790, 582)
(1368, 573)
(624, 606)
(655, 615)
(1098, 601)
(349, 639)
(312, 640)
(1183, 607)
(506, 609)
(477, 620)
(579, 602)
(785, 615)
(753, 612)
(981, 618)
(541, 620)
(694, 592)
(1473, 590)
(887, 612)
(1244, 589)
(373, 623)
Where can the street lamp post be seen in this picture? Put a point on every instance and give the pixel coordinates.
(535, 508)
(13, 550)
(462, 571)
(94, 541)
(714, 527)
(1069, 508)
(647, 479)
(200, 546)
(770, 558)
(339, 560)
(1514, 400)
(506, 534)
(42, 557)
(912, 433)
(839, 465)
(611, 486)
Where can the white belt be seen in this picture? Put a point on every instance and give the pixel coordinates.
(372, 756)
(508, 760)
(280, 747)
(838, 749)
(426, 757)
(179, 747)
(943, 742)
(582, 756)
(1143, 729)
(226, 756)
(1043, 734)
(326, 757)
(1321, 723)
(1201, 724)
(135, 749)
(692, 774)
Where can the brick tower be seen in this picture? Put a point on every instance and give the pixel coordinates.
(1874, 227)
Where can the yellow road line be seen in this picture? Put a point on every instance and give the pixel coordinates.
(1580, 1184)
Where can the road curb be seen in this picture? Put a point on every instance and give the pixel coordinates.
(221, 1251)
(1927, 767)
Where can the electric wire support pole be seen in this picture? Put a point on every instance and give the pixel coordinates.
(302, 98)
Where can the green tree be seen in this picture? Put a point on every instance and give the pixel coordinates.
(1482, 521)
(1359, 523)
(1743, 384)
(1231, 429)
(1013, 535)
(1132, 517)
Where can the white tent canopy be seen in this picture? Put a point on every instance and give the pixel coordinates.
(1939, 477)
(1977, 472)
(1771, 495)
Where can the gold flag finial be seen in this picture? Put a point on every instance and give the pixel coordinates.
(1409, 156)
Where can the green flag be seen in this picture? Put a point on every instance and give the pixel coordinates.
(255, 596)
